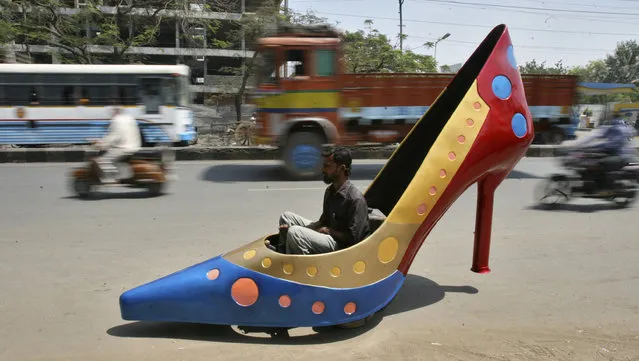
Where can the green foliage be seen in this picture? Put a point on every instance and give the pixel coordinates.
(76, 36)
(533, 67)
(622, 66)
(371, 52)
(594, 71)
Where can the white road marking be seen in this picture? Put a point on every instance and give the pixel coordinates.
(361, 187)
(284, 189)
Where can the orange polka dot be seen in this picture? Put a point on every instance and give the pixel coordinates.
(288, 268)
(244, 291)
(311, 271)
(442, 173)
(461, 139)
(285, 301)
(470, 122)
(477, 105)
(432, 191)
(318, 307)
(421, 209)
(336, 271)
(350, 308)
(213, 274)
(452, 156)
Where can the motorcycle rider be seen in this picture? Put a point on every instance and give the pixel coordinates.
(123, 139)
(614, 142)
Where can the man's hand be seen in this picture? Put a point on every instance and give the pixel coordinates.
(324, 230)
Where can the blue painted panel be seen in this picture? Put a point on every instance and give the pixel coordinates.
(189, 296)
(68, 132)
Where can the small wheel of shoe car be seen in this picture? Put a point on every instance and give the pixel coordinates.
(356, 324)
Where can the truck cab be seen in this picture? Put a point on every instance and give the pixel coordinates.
(297, 95)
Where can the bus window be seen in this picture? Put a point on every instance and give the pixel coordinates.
(169, 91)
(184, 92)
(151, 94)
(97, 95)
(265, 63)
(128, 95)
(68, 95)
(325, 60)
(34, 96)
(54, 94)
(18, 94)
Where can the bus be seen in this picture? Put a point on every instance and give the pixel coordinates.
(55, 104)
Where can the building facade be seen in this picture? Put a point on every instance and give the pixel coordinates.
(184, 37)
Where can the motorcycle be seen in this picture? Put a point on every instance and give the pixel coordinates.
(148, 168)
(581, 181)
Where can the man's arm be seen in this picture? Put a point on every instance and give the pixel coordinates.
(322, 220)
(357, 220)
(112, 134)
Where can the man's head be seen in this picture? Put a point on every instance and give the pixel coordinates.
(116, 111)
(337, 165)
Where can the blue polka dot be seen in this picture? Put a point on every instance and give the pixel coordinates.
(502, 87)
(511, 57)
(519, 125)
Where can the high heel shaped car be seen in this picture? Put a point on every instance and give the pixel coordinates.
(476, 132)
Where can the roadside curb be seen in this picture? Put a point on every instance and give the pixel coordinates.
(67, 155)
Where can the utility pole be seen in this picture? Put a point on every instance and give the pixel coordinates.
(401, 27)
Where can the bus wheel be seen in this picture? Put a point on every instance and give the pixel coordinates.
(303, 155)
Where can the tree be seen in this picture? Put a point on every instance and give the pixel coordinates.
(100, 34)
(78, 34)
(371, 52)
(253, 26)
(532, 67)
(623, 64)
(594, 71)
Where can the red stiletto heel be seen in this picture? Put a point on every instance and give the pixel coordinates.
(484, 219)
(495, 113)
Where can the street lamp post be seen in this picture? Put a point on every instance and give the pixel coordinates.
(445, 36)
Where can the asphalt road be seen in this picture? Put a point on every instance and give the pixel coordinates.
(564, 284)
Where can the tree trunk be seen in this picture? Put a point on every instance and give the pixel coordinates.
(240, 92)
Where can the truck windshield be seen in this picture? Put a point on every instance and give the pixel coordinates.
(265, 67)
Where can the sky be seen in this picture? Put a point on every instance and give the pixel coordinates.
(574, 31)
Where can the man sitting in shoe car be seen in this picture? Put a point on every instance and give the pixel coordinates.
(344, 219)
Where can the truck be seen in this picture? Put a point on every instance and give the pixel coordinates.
(305, 100)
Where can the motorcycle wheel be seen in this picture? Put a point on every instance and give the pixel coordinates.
(155, 188)
(553, 191)
(625, 201)
(82, 187)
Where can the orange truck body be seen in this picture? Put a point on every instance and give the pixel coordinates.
(304, 100)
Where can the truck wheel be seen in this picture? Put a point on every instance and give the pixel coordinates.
(302, 155)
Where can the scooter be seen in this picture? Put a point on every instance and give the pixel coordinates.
(149, 168)
(581, 181)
